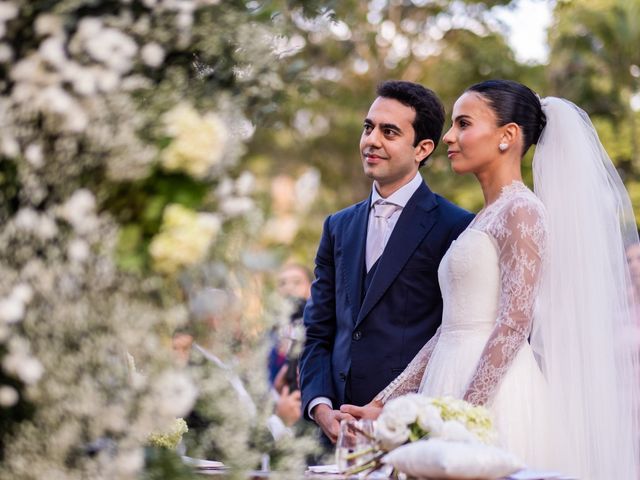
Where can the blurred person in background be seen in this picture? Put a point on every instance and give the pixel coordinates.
(293, 283)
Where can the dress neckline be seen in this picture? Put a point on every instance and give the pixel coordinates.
(505, 190)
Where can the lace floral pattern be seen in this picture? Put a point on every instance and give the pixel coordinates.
(409, 380)
(516, 223)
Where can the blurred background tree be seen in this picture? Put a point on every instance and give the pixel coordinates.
(593, 60)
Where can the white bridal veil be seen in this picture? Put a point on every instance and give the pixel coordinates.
(584, 333)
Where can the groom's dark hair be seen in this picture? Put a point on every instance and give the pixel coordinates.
(428, 107)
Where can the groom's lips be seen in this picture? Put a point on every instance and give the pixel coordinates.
(372, 157)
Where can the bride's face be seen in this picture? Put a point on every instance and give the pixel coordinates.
(474, 135)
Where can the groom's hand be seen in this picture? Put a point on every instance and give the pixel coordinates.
(329, 420)
(370, 411)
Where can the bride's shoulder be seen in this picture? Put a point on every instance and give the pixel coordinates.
(521, 203)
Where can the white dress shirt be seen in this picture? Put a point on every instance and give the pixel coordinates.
(400, 198)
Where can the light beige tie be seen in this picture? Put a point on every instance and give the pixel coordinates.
(379, 228)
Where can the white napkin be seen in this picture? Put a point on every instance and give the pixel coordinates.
(202, 464)
(333, 469)
(536, 475)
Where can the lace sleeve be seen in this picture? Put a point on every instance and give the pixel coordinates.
(521, 237)
(409, 380)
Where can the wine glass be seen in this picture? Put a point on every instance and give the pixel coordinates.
(355, 445)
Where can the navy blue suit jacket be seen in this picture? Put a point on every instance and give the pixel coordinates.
(372, 339)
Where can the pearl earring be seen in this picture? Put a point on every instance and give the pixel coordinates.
(503, 146)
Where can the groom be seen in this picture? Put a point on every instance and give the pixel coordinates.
(376, 299)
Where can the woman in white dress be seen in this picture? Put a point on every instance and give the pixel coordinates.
(535, 289)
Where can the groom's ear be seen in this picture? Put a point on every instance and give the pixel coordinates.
(423, 149)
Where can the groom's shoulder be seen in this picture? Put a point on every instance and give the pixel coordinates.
(347, 213)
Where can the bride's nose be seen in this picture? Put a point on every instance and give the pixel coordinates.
(448, 137)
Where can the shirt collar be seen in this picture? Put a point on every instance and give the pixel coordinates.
(401, 196)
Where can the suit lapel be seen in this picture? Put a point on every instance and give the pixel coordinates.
(416, 219)
(355, 239)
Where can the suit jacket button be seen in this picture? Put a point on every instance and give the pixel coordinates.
(357, 335)
(343, 376)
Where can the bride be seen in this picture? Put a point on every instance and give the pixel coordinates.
(535, 289)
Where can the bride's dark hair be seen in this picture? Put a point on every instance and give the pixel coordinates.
(513, 102)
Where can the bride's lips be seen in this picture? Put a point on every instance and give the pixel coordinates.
(451, 153)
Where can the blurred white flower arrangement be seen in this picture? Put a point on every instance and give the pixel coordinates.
(118, 122)
(198, 142)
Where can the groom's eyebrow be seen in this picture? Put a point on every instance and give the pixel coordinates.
(383, 126)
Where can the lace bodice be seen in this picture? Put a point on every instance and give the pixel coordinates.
(489, 278)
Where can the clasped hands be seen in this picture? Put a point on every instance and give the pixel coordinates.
(329, 419)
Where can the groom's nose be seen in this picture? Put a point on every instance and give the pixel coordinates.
(373, 139)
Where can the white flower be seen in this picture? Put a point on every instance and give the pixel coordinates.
(246, 183)
(108, 80)
(31, 71)
(8, 11)
(108, 46)
(23, 293)
(225, 188)
(236, 206)
(152, 54)
(403, 410)
(8, 396)
(47, 228)
(176, 393)
(89, 27)
(52, 51)
(33, 155)
(54, 99)
(27, 219)
(25, 367)
(6, 53)
(83, 80)
(48, 24)
(4, 332)
(429, 419)
(11, 310)
(79, 210)
(78, 250)
(9, 146)
(455, 431)
(391, 436)
(184, 239)
(130, 462)
(198, 141)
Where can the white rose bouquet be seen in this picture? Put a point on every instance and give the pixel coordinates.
(415, 417)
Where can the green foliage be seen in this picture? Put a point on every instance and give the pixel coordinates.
(162, 464)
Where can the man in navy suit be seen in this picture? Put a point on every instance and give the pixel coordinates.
(376, 300)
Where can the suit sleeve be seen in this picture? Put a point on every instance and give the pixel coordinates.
(320, 324)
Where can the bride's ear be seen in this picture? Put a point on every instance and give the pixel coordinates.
(424, 149)
(511, 134)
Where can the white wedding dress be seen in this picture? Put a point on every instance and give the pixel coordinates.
(489, 279)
